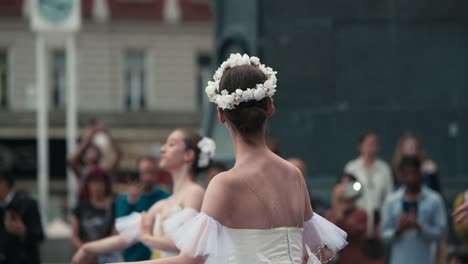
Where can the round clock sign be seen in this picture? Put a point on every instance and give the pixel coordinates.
(55, 11)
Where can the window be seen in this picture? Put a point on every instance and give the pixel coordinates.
(4, 79)
(135, 80)
(58, 79)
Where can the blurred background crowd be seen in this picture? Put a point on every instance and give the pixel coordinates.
(371, 107)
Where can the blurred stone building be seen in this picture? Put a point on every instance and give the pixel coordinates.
(140, 68)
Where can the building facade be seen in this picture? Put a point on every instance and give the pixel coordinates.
(140, 67)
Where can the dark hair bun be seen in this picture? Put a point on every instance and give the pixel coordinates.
(248, 117)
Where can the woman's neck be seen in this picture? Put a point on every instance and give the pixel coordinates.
(244, 151)
(181, 177)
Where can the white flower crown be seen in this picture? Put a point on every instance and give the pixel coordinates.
(207, 148)
(224, 100)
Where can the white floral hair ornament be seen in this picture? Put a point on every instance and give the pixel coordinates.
(226, 100)
(207, 152)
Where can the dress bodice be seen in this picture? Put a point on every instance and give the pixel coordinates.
(162, 227)
(204, 236)
(275, 246)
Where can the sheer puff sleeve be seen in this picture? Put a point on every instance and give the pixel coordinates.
(320, 234)
(129, 226)
(203, 236)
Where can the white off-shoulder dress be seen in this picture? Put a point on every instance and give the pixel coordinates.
(204, 236)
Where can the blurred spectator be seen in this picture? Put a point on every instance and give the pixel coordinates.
(375, 176)
(20, 225)
(273, 145)
(87, 155)
(215, 169)
(142, 194)
(414, 217)
(410, 145)
(318, 204)
(460, 217)
(346, 215)
(93, 219)
(164, 180)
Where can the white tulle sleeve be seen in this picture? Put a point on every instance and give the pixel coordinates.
(129, 226)
(319, 234)
(179, 219)
(203, 236)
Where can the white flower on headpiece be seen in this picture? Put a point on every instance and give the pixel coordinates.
(218, 74)
(269, 84)
(271, 92)
(226, 100)
(259, 93)
(245, 59)
(210, 88)
(248, 95)
(254, 60)
(207, 152)
(273, 79)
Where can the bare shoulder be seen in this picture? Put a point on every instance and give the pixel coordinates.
(194, 197)
(290, 169)
(219, 195)
(196, 190)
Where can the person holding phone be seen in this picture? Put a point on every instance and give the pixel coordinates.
(352, 219)
(414, 217)
(88, 155)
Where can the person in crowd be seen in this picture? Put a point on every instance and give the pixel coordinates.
(319, 205)
(410, 145)
(460, 217)
(141, 195)
(93, 218)
(184, 155)
(87, 155)
(215, 169)
(353, 220)
(20, 225)
(375, 176)
(164, 180)
(414, 217)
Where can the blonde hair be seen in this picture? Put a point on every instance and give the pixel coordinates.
(398, 156)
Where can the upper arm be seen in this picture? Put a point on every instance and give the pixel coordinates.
(308, 211)
(75, 167)
(74, 225)
(195, 198)
(216, 202)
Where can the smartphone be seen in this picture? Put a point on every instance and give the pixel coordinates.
(353, 189)
(410, 206)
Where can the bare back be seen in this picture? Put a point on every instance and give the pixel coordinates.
(261, 193)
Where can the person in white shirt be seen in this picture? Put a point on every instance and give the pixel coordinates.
(375, 176)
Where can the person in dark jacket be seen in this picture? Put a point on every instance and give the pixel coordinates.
(20, 225)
